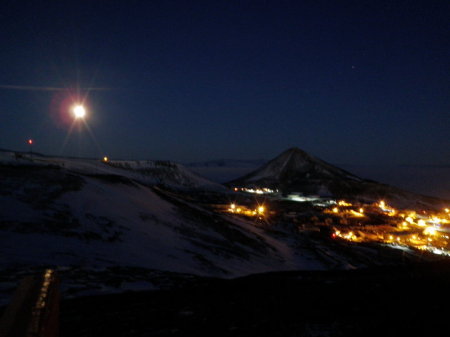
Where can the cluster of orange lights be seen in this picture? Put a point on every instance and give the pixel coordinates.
(345, 208)
(260, 211)
(423, 230)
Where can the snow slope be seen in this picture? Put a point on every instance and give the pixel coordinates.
(118, 226)
(59, 213)
(54, 215)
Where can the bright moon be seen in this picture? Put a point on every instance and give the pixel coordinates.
(79, 111)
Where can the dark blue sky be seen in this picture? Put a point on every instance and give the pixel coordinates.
(349, 81)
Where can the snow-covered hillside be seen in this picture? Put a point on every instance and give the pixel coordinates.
(51, 216)
(128, 225)
(83, 214)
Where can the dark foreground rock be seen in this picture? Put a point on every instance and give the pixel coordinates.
(384, 301)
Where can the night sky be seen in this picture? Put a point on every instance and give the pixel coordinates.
(351, 82)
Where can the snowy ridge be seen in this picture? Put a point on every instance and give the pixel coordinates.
(166, 173)
(145, 171)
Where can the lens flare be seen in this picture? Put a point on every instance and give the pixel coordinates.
(79, 111)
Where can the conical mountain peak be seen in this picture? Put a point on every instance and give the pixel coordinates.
(294, 155)
(295, 150)
(295, 170)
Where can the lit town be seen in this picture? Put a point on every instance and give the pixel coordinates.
(407, 229)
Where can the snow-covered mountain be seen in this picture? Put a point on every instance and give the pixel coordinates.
(297, 171)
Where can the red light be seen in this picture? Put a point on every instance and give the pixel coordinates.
(30, 141)
(333, 235)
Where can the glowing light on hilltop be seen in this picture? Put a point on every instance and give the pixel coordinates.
(79, 111)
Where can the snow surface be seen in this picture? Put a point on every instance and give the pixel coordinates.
(89, 218)
(70, 213)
